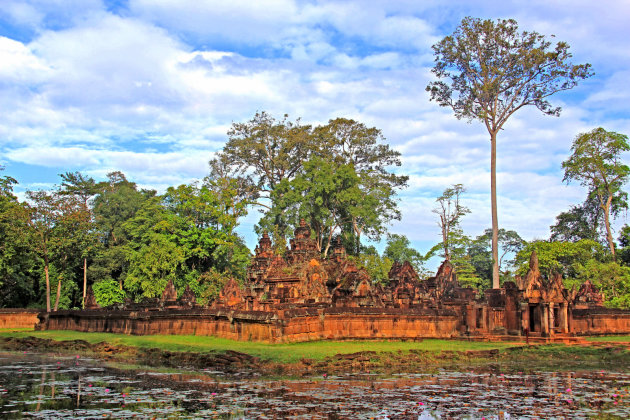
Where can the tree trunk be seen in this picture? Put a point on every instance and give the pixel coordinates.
(84, 281)
(47, 283)
(609, 237)
(495, 219)
(447, 255)
(355, 226)
(58, 295)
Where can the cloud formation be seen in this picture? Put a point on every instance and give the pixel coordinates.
(151, 88)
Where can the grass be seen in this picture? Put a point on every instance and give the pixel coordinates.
(611, 338)
(562, 357)
(283, 353)
(9, 330)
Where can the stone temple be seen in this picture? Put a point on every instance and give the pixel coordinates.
(300, 296)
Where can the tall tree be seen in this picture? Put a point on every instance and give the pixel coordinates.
(450, 211)
(44, 215)
(596, 163)
(324, 193)
(261, 153)
(67, 243)
(83, 189)
(182, 235)
(493, 70)
(351, 143)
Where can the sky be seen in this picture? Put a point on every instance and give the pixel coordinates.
(151, 87)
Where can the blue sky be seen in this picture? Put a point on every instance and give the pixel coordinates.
(150, 87)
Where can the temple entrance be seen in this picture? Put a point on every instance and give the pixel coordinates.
(556, 317)
(479, 318)
(534, 318)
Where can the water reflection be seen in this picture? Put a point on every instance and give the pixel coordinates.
(31, 386)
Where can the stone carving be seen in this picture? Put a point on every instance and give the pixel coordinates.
(169, 296)
(188, 298)
(90, 300)
(587, 296)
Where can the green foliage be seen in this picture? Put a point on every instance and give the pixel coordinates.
(494, 70)
(612, 280)
(209, 285)
(351, 143)
(461, 259)
(180, 235)
(624, 243)
(326, 194)
(566, 258)
(118, 200)
(123, 235)
(399, 249)
(152, 266)
(480, 253)
(335, 176)
(107, 293)
(596, 163)
(377, 266)
(578, 262)
(18, 270)
(580, 222)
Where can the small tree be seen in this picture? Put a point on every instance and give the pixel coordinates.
(450, 211)
(493, 71)
(44, 214)
(596, 164)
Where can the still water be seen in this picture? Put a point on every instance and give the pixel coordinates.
(32, 386)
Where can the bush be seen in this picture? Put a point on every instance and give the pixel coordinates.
(107, 293)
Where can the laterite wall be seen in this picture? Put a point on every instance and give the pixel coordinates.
(600, 321)
(288, 326)
(18, 318)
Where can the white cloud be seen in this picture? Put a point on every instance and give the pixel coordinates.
(152, 92)
(18, 64)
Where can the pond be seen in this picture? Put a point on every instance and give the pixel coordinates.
(39, 387)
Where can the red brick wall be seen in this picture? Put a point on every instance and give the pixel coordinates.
(593, 323)
(259, 326)
(18, 318)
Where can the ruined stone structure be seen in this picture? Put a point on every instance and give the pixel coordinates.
(299, 296)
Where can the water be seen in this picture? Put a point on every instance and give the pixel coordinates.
(32, 386)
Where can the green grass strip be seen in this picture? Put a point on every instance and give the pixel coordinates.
(611, 338)
(291, 352)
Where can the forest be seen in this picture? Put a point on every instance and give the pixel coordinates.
(127, 242)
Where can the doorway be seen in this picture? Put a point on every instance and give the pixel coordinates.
(534, 318)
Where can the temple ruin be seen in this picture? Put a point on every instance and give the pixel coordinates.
(300, 295)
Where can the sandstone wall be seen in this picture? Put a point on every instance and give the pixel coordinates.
(289, 326)
(18, 318)
(600, 322)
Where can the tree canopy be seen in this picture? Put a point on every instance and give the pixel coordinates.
(596, 163)
(336, 176)
(489, 70)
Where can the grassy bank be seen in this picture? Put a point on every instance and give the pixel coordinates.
(610, 338)
(282, 353)
(319, 357)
